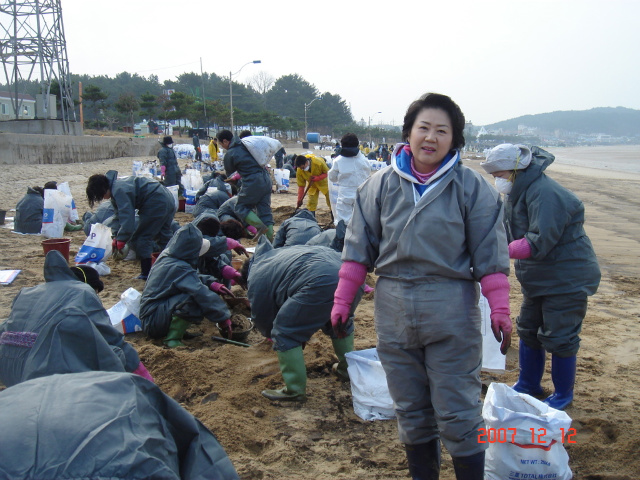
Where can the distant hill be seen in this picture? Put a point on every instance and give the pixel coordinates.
(618, 122)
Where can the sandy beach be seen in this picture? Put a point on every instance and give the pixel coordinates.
(323, 439)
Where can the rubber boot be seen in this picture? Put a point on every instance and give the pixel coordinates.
(269, 233)
(424, 460)
(294, 373)
(253, 219)
(469, 468)
(531, 370)
(176, 331)
(72, 227)
(563, 375)
(342, 346)
(145, 268)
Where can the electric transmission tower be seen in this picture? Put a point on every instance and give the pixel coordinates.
(33, 47)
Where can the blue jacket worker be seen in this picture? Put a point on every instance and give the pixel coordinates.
(169, 168)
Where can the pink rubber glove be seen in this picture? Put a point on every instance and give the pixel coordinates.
(230, 273)
(163, 170)
(236, 246)
(235, 176)
(495, 288)
(220, 289)
(252, 230)
(120, 245)
(225, 328)
(352, 276)
(519, 249)
(368, 289)
(143, 372)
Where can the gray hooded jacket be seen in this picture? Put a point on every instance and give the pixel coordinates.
(104, 425)
(69, 329)
(551, 218)
(297, 230)
(174, 287)
(29, 209)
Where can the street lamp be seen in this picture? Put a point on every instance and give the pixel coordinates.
(370, 117)
(307, 105)
(231, 88)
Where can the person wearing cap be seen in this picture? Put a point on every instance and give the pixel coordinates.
(169, 168)
(432, 230)
(175, 295)
(60, 326)
(555, 264)
(349, 170)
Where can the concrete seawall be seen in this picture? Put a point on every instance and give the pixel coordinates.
(17, 149)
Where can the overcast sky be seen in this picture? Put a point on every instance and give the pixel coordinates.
(498, 59)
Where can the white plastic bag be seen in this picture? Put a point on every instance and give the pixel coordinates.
(97, 247)
(175, 189)
(525, 437)
(192, 180)
(262, 148)
(369, 389)
(190, 200)
(492, 359)
(54, 214)
(124, 314)
(71, 205)
(282, 179)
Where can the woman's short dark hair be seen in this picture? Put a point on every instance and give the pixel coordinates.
(349, 140)
(440, 102)
(301, 160)
(209, 226)
(232, 229)
(97, 188)
(245, 133)
(51, 185)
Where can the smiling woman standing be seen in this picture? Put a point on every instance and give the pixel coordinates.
(432, 229)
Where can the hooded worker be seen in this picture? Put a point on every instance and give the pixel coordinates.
(175, 295)
(28, 218)
(297, 230)
(291, 294)
(103, 425)
(60, 326)
(555, 264)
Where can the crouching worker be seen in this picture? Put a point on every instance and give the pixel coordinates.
(60, 326)
(291, 294)
(175, 295)
(103, 425)
(297, 230)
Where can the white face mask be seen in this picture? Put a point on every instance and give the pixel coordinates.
(503, 185)
(170, 145)
(306, 169)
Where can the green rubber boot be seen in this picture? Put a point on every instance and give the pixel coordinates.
(269, 233)
(254, 219)
(342, 346)
(176, 331)
(294, 373)
(72, 227)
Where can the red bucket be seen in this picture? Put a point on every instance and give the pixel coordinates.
(182, 202)
(59, 244)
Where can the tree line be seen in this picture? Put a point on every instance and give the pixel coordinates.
(281, 105)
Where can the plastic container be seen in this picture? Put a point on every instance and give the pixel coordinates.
(182, 202)
(237, 263)
(59, 244)
(313, 138)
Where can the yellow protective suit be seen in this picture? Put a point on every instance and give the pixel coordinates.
(317, 167)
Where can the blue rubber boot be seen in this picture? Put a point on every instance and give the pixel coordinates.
(424, 460)
(563, 374)
(531, 370)
(469, 468)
